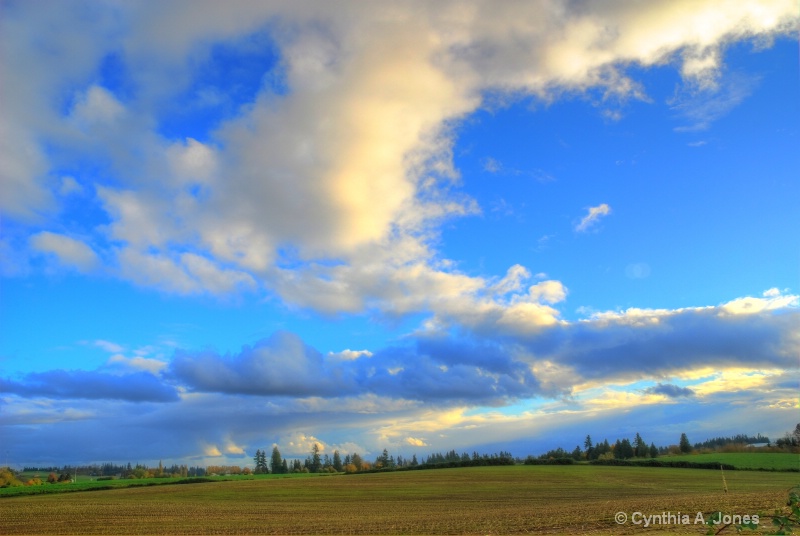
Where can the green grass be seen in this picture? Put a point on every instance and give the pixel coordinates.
(475, 500)
(777, 461)
(87, 483)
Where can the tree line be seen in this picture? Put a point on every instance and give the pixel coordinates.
(105, 470)
(738, 439)
(317, 462)
(620, 449)
(625, 449)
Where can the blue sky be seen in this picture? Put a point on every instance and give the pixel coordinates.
(421, 227)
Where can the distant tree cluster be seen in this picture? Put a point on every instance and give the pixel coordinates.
(621, 449)
(173, 471)
(316, 462)
(740, 439)
(8, 479)
(791, 440)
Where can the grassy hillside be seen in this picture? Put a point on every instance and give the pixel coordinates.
(479, 500)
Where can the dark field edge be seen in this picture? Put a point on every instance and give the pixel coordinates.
(481, 462)
(688, 465)
(26, 491)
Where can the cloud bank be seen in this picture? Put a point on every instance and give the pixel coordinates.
(322, 177)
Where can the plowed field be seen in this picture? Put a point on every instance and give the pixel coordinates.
(481, 500)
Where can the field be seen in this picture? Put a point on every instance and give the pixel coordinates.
(480, 500)
(745, 460)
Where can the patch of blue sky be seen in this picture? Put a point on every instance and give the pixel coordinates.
(76, 310)
(114, 75)
(230, 76)
(519, 407)
(648, 174)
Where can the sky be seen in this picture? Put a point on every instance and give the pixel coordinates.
(417, 226)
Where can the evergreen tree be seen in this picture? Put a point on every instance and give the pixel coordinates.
(337, 462)
(260, 460)
(587, 445)
(627, 449)
(276, 463)
(653, 450)
(357, 461)
(414, 461)
(684, 444)
(383, 459)
(639, 447)
(315, 464)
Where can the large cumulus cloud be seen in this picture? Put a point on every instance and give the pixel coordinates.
(327, 182)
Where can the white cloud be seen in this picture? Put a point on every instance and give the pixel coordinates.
(769, 302)
(69, 186)
(211, 451)
(192, 161)
(67, 250)
(702, 106)
(119, 361)
(349, 355)
(593, 217)
(109, 346)
(212, 278)
(233, 448)
(416, 442)
(97, 106)
(301, 444)
(492, 165)
(548, 291)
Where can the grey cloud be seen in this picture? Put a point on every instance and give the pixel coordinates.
(282, 365)
(245, 396)
(494, 370)
(78, 384)
(469, 370)
(670, 390)
(424, 370)
(449, 371)
(671, 342)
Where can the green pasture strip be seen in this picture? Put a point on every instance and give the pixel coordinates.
(99, 485)
(94, 485)
(771, 461)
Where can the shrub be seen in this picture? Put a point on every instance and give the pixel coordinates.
(549, 461)
(664, 463)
